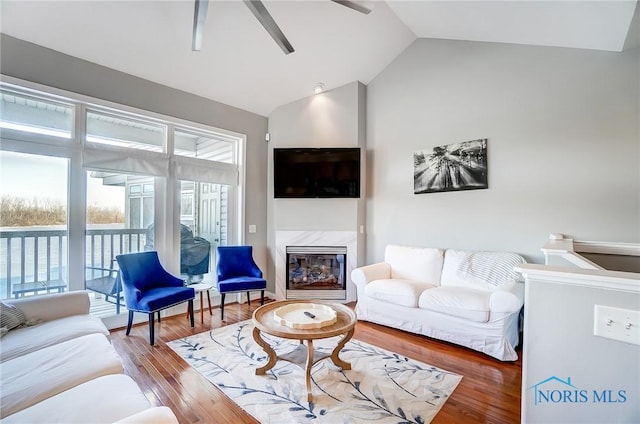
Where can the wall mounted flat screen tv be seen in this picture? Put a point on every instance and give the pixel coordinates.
(316, 172)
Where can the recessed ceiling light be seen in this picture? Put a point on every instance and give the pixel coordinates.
(319, 88)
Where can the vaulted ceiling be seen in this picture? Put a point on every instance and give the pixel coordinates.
(240, 65)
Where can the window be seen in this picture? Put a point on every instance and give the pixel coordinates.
(132, 162)
(139, 202)
(31, 114)
(213, 147)
(33, 217)
(119, 220)
(204, 227)
(125, 131)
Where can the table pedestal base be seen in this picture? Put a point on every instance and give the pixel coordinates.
(306, 355)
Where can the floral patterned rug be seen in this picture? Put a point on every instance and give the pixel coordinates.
(381, 387)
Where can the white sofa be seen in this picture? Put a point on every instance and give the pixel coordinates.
(470, 298)
(59, 367)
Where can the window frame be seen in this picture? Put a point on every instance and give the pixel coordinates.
(167, 196)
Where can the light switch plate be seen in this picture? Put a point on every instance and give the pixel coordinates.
(617, 324)
(252, 229)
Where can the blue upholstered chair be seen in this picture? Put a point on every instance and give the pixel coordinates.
(237, 272)
(149, 288)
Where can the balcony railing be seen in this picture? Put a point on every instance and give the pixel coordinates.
(35, 261)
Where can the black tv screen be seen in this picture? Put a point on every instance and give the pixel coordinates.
(316, 172)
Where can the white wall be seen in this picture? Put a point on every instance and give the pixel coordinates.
(559, 342)
(563, 146)
(335, 118)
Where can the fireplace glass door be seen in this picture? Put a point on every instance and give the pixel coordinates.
(316, 272)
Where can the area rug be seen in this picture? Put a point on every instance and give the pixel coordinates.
(381, 387)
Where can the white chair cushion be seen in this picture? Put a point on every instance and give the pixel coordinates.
(457, 301)
(397, 291)
(104, 399)
(422, 264)
(25, 340)
(34, 377)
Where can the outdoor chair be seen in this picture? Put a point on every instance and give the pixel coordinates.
(107, 282)
(149, 288)
(237, 272)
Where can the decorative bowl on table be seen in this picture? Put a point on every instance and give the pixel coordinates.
(302, 316)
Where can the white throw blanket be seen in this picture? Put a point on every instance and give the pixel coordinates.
(496, 268)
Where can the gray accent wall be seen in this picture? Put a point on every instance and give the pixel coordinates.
(563, 146)
(30, 62)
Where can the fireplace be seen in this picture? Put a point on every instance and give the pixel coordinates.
(316, 272)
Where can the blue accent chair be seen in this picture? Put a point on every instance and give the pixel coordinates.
(149, 288)
(237, 272)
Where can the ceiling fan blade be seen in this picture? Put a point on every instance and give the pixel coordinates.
(354, 5)
(199, 18)
(264, 17)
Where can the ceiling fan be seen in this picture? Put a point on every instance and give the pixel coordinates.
(264, 17)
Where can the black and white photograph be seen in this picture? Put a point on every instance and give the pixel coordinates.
(452, 167)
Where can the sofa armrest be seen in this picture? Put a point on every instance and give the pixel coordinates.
(364, 275)
(154, 415)
(49, 307)
(508, 297)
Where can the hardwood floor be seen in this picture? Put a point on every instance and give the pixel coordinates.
(488, 393)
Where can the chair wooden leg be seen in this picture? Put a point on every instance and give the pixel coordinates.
(129, 322)
(261, 297)
(191, 312)
(209, 302)
(248, 298)
(222, 295)
(151, 328)
(201, 308)
(158, 316)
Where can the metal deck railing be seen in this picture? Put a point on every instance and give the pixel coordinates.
(34, 261)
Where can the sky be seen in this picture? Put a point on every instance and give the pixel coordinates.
(42, 177)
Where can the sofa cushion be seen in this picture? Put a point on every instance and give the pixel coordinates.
(453, 276)
(24, 340)
(104, 399)
(397, 291)
(422, 264)
(31, 378)
(457, 301)
(51, 306)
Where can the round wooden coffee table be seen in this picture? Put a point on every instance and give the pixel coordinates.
(265, 322)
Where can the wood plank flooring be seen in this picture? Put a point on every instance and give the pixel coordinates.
(488, 393)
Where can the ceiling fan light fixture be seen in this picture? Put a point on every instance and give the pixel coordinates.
(318, 88)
